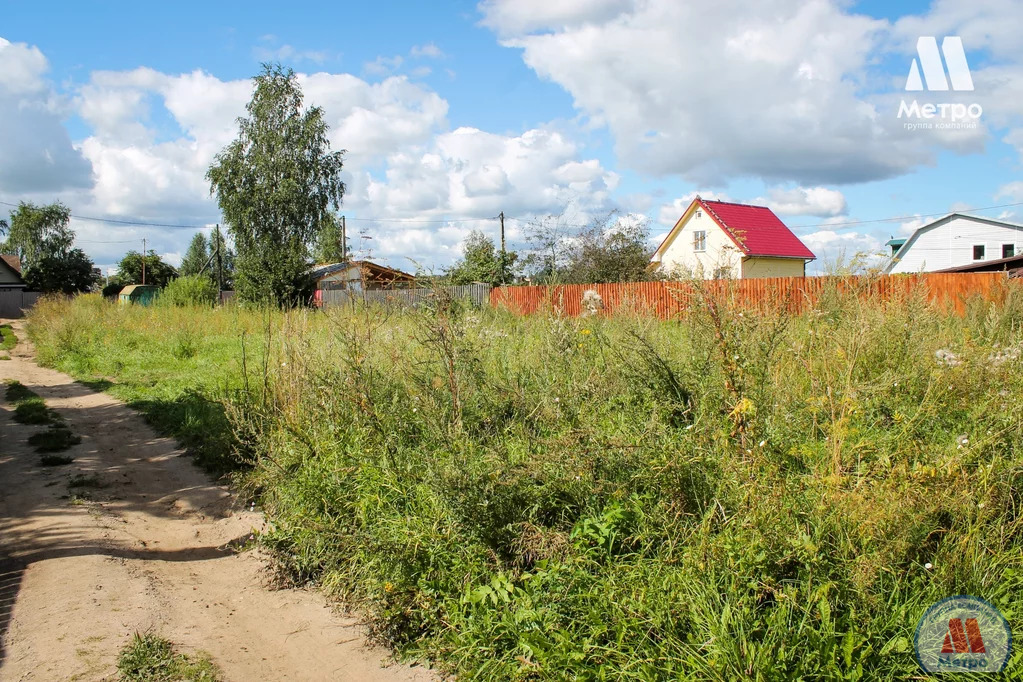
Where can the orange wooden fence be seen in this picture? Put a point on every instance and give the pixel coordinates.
(793, 294)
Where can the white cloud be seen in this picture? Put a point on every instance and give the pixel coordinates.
(36, 153)
(815, 201)
(271, 50)
(427, 51)
(1012, 190)
(383, 66)
(832, 247)
(714, 91)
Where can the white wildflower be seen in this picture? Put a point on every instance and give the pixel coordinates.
(928, 565)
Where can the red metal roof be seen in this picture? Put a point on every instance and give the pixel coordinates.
(756, 230)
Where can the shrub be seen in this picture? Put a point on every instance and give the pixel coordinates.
(192, 290)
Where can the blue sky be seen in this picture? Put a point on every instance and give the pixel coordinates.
(454, 111)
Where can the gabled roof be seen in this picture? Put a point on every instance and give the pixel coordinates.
(372, 271)
(15, 270)
(905, 248)
(12, 260)
(755, 230)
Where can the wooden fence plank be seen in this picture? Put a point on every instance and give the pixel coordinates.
(790, 294)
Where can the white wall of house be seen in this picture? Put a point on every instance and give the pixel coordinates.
(949, 242)
(682, 258)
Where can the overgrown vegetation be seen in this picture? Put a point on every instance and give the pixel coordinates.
(29, 408)
(190, 290)
(727, 496)
(8, 340)
(151, 658)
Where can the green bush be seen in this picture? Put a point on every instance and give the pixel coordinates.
(191, 290)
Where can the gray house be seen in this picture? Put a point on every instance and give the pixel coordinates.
(10, 273)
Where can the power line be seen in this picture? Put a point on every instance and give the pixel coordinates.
(126, 222)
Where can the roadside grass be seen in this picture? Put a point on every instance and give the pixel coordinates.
(55, 460)
(8, 339)
(57, 438)
(725, 496)
(150, 658)
(85, 481)
(174, 365)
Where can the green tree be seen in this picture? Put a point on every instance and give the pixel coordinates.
(609, 250)
(276, 185)
(196, 257)
(38, 231)
(67, 273)
(481, 261)
(158, 273)
(329, 248)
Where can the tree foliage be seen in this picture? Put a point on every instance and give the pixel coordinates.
(38, 231)
(481, 262)
(42, 239)
(66, 273)
(609, 249)
(158, 273)
(196, 257)
(329, 247)
(276, 185)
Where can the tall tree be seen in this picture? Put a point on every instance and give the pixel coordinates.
(276, 185)
(196, 257)
(66, 273)
(38, 231)
(609, 250)
(481, 261)
(42, 238)
(158, 273)
(329, 246)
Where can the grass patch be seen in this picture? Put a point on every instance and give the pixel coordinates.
(55, 439)
(726, 496)
(85, 481)
(33, 411)
(150, 658)
(55, 460)
(8, 340)
(17, 391)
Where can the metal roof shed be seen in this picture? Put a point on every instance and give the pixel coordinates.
(142, 294)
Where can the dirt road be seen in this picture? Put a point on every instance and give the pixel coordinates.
(146, 544)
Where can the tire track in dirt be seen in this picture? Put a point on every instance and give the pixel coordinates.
(82, 569)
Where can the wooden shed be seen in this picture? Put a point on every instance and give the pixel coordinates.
(142, 294)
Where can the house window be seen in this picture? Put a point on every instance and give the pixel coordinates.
(978, 252)
(1008, 250)
(700, 240)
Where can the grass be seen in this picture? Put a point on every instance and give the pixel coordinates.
(55, 460)
(150, 658)
(8, 340)
(55, 439)
(85, 481)
(726, 496)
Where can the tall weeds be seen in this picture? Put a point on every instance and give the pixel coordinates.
(730, 495)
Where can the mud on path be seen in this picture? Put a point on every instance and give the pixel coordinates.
(152, 547)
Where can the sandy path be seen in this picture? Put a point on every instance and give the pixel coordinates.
(148, 551)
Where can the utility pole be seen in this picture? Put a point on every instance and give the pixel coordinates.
(503, 257)
(143, 260)
(220, 263)
(344, 241)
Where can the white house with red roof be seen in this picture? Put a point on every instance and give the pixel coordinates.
(719, 239)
